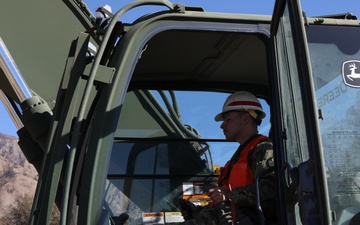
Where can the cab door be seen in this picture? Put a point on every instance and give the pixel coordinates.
(303, 194)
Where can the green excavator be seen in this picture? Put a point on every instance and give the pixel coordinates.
(114, 115)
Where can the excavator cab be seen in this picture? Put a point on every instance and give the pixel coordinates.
(118, 118)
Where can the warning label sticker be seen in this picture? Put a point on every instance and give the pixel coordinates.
(153, 218)
(173, 217)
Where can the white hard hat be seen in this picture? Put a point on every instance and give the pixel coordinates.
(242, 100)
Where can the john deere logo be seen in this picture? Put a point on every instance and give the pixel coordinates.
(351, 73)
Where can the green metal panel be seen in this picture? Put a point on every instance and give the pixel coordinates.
(38, 34)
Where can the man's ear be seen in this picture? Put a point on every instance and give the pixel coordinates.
(249, 119)
(246, 117)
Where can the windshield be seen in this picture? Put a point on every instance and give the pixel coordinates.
(171, 153)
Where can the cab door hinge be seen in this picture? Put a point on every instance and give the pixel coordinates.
(333, 216)
(283, 135)
(305, 18)
(320, 115)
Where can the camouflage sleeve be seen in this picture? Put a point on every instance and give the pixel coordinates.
(260, 160)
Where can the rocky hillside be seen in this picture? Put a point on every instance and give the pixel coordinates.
(17, 176)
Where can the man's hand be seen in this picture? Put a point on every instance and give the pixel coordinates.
(218, 195)
(188, 209)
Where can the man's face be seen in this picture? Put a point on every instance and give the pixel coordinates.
(233, 125)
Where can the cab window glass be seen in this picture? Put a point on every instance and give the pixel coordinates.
(165, 139)
(337, 85)
(292, 110)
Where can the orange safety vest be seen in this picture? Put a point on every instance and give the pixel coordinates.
(240, 174)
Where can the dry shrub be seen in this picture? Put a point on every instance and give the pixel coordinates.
(19, 213)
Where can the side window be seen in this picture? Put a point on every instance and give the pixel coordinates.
(292, 113)
(165, 139)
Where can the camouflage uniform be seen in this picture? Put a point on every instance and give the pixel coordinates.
(244, 197)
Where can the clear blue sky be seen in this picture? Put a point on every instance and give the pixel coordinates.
(311, 7)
